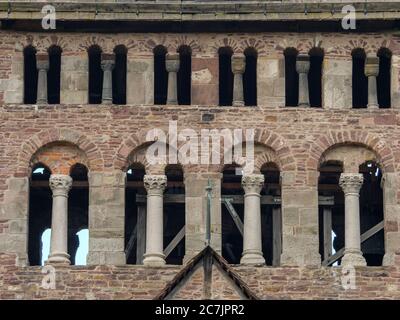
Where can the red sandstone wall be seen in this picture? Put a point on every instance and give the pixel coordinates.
(132, 282)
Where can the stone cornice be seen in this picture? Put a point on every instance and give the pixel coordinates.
(201, 10)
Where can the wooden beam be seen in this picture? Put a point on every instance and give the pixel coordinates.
(327, 232)
(175, 241)
(207, 283)
(234, 199)
(365, 236)
(234, 215)
(277, 236)
(131, 243)
(141, 234)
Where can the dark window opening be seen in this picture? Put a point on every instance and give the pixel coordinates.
(371, 213)
(185, 75)
(384, 78)
(135, 215)
(331, 238)
(30, 75)
(232, 240)
(95, 75)
(360, 80)
(250, 78)
(160, 76)
(78, 214)
(54, 75)
(291, 78)
(119, 75)
(40, 207)
(271, 230)
(225, 76)
(174, 213)
(315, 77)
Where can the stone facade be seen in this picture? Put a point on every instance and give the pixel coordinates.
(108, 138)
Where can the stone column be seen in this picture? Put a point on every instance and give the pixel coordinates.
(60, 185)
(252, 237)
(107, 64)
(302, 68)
(372, 71)
(172, 64)
(351, 184)
(42, 64)
(238, 68)
(155, 186)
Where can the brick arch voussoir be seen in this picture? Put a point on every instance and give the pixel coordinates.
(41, 139)
(327, 141)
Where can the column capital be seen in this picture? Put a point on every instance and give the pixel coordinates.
(253, 183)
(42, 61)
(371, 66)
(351, 182)
(172, 62)
(60, 184)
(107, 61)
(155, 184)
(303, 63)
(238, 63)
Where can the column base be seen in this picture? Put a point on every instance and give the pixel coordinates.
(373, 106)
(154, 260)
(304, 105)
(252, 257)
(106, 101)
(238, 104)
(353, 258)
(172, 102)
(58, 258)
(388, 259)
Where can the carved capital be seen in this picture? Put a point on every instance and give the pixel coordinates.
(303, 63)
(42, 61)
(155, 184)
(172, 62)
(238, 63)
(60, 184)
(372, 66)
(253, 183)
(107, 61)
(351, 183)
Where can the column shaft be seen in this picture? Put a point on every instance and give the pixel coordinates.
(238, 68)
(372, 71)
(107, 64)
(60, 186)
(155, 186)
(303, 67)
(172, 65)
(42, 65)
(252, 234)
(351, 184)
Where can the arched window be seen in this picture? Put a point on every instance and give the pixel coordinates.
(291, 78)
(95, 75)
(384, 78)
(360, 81)
(185, 75)
(135, 214)
(30, 75)
(78, 215)
(250, 78)
(54, 75)
(174, 213)
(160, 75)
(315, 77)
(225, 76)
(40, 207)
(119, 75)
